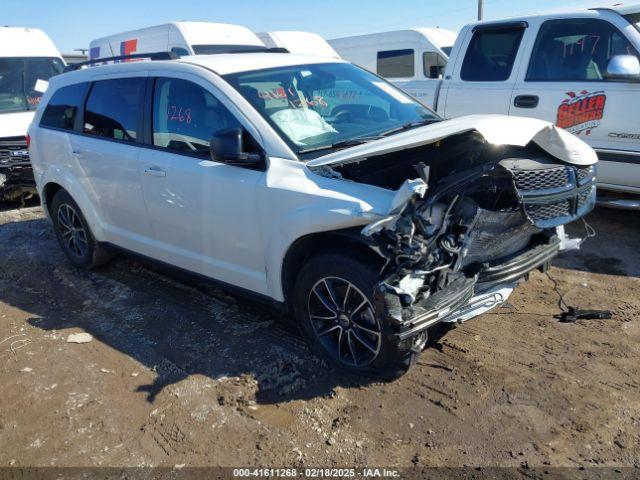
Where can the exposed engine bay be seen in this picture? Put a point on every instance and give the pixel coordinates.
(471, 216)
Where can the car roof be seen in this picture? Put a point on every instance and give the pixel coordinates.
(222, 64)
(626, 8)
(564, 12)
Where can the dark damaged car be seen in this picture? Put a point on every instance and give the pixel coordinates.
(313, 184)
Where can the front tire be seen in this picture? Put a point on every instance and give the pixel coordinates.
(333, 304)
(73, 233)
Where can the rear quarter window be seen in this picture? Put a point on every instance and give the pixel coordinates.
(63, 107)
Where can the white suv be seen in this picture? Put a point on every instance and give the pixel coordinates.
(311, 183)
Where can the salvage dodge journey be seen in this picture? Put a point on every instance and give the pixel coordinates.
(311, 183)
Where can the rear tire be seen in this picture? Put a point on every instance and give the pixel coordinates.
(74, 235)
(333, 304)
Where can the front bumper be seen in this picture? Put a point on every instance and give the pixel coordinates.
(465, 297)
(16, 173)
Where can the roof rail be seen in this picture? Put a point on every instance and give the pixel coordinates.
(150, 56)
(226, 49)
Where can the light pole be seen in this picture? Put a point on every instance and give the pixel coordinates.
(480, 8)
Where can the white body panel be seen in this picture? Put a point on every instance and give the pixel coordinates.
(305, 43)
(22, 42)
(26, 42)
(615, 135)
(363, 50)
(175, 36)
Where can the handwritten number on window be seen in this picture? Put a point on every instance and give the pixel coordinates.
(177, 113)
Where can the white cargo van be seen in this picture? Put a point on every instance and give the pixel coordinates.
(28, 58)
(413, 59)
(182, 38)
(304, 43)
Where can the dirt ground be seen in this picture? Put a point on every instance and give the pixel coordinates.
(179, 373)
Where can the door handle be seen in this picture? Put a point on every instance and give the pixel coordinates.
(526, 101)
(155, 172)
(76, 153)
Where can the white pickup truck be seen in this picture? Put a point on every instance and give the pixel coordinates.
(579, 70)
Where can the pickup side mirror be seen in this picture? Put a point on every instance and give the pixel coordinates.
(227, 146)
(624, 67)
(436, 71)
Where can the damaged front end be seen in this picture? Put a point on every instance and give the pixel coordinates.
(476, 220)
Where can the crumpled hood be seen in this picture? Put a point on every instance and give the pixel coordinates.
(15, 124)
(496, 129)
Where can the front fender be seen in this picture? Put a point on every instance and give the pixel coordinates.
(303, 222)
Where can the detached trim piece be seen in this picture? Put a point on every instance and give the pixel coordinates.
(437, 307)
(520, 265)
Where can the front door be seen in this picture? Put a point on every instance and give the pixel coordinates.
(204, 213)
(567, 78)
(484, 82)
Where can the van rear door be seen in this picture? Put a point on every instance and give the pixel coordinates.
(565, 81)
(483, 79)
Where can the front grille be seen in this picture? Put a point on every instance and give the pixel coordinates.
(585, 174)
(13, 151)
(543, 179)
(554, 194)
(549, 211)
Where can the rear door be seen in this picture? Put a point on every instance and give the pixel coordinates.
(486, 77)
(565, 82)
(106, 152)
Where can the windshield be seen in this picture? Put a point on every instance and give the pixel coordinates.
(23, 81)
(634, 18)
(328, 106)
(447, 50)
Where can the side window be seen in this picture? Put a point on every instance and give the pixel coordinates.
(491, 54)
(113, 107)
(185, 116)
(396, 63)
(433, 64)
(63, 107)
(183, 52)
(576, 50)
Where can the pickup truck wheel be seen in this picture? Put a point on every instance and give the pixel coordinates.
(334, 307)
(74, 235)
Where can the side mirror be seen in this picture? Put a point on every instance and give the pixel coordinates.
(227, 146)
(624, 67)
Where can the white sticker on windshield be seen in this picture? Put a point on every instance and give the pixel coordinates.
(393, 92)
(41, 86)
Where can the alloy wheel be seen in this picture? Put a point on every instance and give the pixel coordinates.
(74, 235)
(344, 321)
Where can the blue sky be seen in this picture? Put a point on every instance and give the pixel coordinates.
(73, 23)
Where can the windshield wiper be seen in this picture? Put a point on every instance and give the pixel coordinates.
(350, 142)
(408, 126)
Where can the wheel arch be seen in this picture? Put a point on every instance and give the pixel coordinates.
(56, 183)
(48, 192)
(345, 242)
